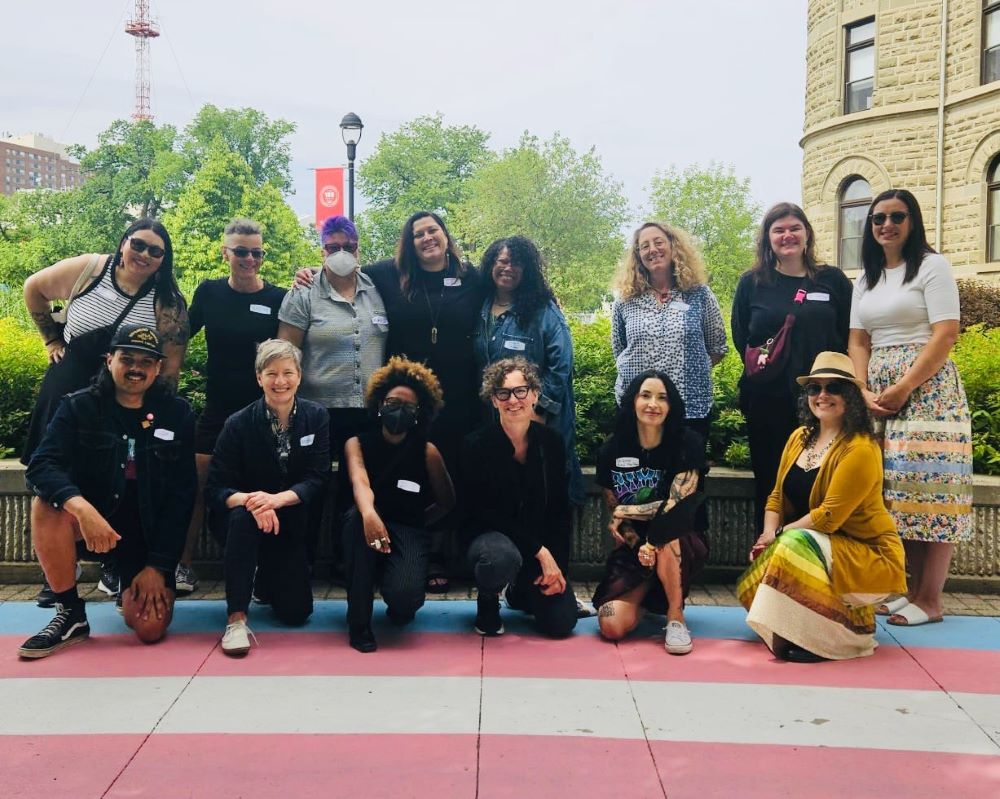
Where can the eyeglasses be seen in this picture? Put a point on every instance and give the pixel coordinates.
(897, 218)
(138, 245)
(834, 389)
(330, 248)
(392, 404)
(242, 252)
(503, 394)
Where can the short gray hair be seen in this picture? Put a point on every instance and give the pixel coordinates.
(244, 227)
(275, 349)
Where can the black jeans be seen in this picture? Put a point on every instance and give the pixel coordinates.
(404, 570)
(770, 421)
(496, 562)
(280, 560)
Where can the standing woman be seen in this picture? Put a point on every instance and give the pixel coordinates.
(667, 318)
(433, 299)
(520, 316)
(904, 323)
(237, 312)
(785, 279)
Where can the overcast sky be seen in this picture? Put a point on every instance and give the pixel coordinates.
(649, 83)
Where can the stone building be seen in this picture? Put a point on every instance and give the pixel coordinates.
(905, 94)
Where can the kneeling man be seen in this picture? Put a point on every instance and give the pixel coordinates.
(115, 470)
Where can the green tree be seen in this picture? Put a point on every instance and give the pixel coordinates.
(716, 207)
(560, 198)
(422, 166)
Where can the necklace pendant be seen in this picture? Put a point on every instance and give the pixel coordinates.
(434, 335)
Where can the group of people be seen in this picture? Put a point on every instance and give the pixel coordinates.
(445, 394)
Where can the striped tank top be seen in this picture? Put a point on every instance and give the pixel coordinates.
(100, 304)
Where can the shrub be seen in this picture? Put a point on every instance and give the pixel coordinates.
(727, 438)
(977, 355)
(593, 384)
(980, 303)
(22, 364)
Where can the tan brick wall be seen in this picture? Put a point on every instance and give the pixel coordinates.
(894, 144)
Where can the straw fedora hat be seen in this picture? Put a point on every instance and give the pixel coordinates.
(833, 365)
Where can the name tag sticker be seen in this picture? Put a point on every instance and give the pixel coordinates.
(260, 309)
(677, 305)
(163, 433)
(453, 281)
(409, 485)
(379, 320)
(306, 441)
(627, 463)
(512, 344)
(818, 296)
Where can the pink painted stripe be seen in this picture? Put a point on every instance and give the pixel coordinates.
(582, 656)
(971, 671)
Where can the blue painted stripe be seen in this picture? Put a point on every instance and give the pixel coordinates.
(928, 467)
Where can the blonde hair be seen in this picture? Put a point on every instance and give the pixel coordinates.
(275, 349)
(686, 266)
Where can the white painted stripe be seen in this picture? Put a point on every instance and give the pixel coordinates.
(682, 711)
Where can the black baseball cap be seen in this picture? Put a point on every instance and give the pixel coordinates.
(137, 337)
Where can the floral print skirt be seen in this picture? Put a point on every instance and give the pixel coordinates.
(927, 450)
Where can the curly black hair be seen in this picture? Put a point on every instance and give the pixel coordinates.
(626, 424)
(401, 372)
(534, 292)
(857, 419)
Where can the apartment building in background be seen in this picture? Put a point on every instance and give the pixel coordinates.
(33, 161)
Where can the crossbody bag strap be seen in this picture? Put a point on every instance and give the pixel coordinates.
(85, 277)
(131, 304)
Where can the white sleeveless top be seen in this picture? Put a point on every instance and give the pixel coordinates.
(99, 306)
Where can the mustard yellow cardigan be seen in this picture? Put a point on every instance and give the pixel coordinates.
(846, 503)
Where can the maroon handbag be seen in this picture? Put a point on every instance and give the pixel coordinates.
(765, 362)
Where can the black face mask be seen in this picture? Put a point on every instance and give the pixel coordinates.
(398, 420)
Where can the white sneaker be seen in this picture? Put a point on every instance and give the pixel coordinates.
(678, 639)
(236, 639)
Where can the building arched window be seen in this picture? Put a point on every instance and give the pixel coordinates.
(993, 211)
(855, 197)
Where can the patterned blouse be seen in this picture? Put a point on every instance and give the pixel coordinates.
(282, 439)
(678, 337)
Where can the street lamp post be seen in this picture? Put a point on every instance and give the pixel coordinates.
(350, 130)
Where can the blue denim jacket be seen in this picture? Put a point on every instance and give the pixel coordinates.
(545, 342)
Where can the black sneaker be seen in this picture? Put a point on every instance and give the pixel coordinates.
(109, 582)
(68, 627)
(362, 638)
(488, 620)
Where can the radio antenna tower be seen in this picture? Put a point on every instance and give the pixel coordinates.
(142, 27)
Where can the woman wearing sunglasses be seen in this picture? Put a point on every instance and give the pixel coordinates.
(904, 323)
(134, 285)
(400, 485)
(237, 312)
(513, 489)
(829, 549)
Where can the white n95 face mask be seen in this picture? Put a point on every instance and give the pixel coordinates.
(341, 263)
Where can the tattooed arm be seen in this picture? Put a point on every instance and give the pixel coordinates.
(683, 485)
(40, 289)
(172, 325)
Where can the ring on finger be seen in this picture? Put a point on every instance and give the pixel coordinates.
(378, 544)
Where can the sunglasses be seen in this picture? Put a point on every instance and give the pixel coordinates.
(331, 248)
(138, 245)
(834, 389)
(392, 403)
(242, 252)
(503, 394)
(897, 218)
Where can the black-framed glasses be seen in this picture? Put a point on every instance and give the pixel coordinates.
(138, 245)
(393, 404)
(242, 252)
(504, 394)
(330, 247)
(896, 217)
(834, 389)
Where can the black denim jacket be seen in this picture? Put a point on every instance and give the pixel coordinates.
(83, 453)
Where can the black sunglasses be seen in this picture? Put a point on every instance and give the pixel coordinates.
(242, 252)
(331, 248)
(834, 389)
(138, 245)
(503, 394)
(897, 218)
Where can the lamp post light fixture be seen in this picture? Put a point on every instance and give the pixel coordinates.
(350, 129)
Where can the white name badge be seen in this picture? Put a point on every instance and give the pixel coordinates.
(511, 344)
(163, 433)
(379, 320)
(818, 296)
(260, 309)
(677, 305)
(627, 463)
(306, 441)
(453, 281)
(409, 485)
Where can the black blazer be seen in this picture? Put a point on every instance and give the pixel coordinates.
(245, 458)
(492, 496)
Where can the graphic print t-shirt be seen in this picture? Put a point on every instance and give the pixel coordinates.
(636, 475)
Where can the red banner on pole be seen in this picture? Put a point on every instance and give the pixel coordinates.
(329, 193)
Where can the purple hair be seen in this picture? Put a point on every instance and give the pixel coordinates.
(339, 224)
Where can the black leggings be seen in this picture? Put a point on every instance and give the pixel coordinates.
(770, 421)
(280, 562)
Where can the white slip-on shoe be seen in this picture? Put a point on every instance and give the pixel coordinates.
(236, 639)
(678, 638)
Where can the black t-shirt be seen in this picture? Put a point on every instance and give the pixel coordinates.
(636, 475)
(797, 488)
(234, 325)
(397, 474)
